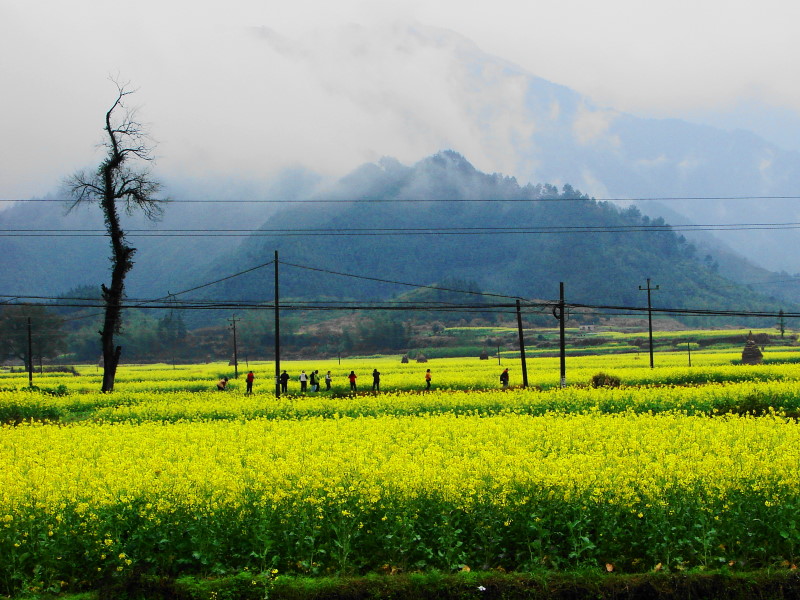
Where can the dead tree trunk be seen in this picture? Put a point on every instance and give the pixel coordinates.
(115, 181)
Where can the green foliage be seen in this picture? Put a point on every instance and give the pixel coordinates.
(597, 268)
(604, 380)
(380, 333)
(595, 582)
(47, 336)
(447, 352)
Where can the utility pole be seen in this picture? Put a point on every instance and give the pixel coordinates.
(689, 350)
(560, 314)
(522, 347)
(781, 324)
(30, 355)
(649, 316)
(233, 322)
(277, 334)
(498, 355)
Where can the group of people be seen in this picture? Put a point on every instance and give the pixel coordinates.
(313, 379)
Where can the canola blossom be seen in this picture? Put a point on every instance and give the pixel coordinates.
(680, 467)
(715, 398)
(448, 373)
(89, 500)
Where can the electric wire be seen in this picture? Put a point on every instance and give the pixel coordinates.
(394, 282)
(399, 231)
(582, 198)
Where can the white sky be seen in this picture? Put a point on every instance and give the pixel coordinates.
(219, 103)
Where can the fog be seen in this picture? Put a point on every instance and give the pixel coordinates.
(245, 89)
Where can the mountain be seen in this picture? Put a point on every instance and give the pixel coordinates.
(435, 89)
(427, 223)
(66, 258)
(437, 221)
(732, 264)
(409, 90)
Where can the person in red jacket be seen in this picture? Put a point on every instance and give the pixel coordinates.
(250, 378)
(352, 378)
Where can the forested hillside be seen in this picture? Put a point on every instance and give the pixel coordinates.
(439, 220)
(442, 219)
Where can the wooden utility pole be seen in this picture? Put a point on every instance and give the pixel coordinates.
(522, 347)
(781, 323)
(30, 354)
(233, 322)
(649, 316)
(277, 334)
(559, 313)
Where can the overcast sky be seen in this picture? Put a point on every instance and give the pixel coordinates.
(243, 88)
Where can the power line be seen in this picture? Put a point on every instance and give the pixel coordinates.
(291, 306)
(170, 297)
(389, 306)
(170, 301)
(424, 200)
(227, 277)
(403, 231)
(416, 285)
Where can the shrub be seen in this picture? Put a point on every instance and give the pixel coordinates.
(604, 380)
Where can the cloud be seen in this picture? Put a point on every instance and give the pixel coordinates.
(335, 99)
(247, 87)
(591, 126)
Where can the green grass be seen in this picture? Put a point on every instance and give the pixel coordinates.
(597, 584)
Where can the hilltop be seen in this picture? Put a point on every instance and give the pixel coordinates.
(442, 219)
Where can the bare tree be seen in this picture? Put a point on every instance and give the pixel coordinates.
(122, 179)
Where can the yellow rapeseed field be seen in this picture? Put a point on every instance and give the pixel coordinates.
(343, 494)
(166, 476)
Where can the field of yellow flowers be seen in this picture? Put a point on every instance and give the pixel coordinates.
(681, 468)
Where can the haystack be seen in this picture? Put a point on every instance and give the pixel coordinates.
(751, 355)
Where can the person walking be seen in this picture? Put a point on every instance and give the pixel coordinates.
(328, 381)
(504, 378)
(249, 379)
(376, 381)
(314, 381)
(284, 379)
(303, 382)
(428, 379)
(352, 378)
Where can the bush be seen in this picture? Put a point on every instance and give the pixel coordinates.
(604, 380)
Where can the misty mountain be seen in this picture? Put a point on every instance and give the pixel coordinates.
(436, 221)
(71, 249)
(497, 114)
(419, 224)
(416, 87)
(731, 263)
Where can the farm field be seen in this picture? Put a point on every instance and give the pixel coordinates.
(678, 469)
